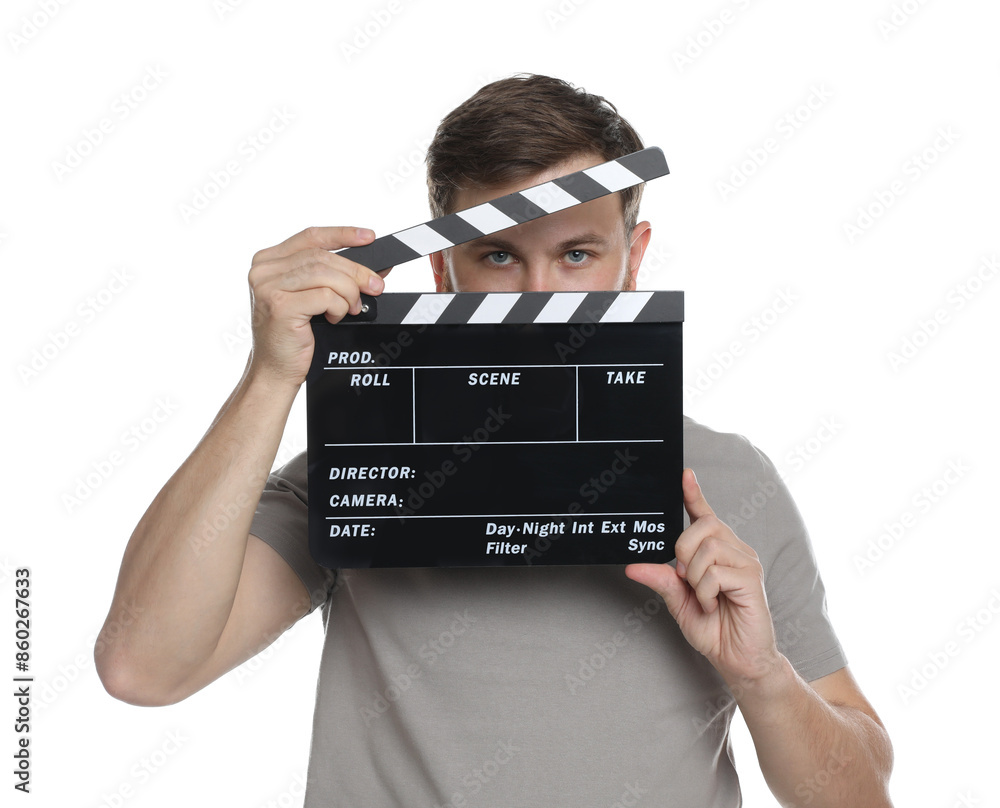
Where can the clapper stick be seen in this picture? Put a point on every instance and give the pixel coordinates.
(507, 211)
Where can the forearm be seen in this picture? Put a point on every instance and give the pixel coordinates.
(811, 752)
(182, 564)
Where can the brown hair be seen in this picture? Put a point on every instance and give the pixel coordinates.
(516, 127)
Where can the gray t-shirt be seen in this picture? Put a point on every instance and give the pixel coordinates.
(539, 685)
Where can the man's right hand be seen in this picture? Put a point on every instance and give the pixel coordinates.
(295, 280)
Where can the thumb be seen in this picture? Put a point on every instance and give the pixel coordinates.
(694, 500)
(662, 579)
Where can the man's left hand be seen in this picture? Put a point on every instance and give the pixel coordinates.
(716, 593)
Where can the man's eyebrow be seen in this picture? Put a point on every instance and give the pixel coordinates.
(567, 244)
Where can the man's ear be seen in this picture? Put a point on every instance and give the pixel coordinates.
(640, 239)
(437, 267)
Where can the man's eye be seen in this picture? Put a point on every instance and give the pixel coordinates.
(577, 256)
(498, 257)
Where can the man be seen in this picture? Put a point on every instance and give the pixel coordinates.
(510, 686)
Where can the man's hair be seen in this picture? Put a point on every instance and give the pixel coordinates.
(517, 127)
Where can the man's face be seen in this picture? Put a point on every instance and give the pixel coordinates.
(582, 248)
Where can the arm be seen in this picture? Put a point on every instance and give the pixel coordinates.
(196, 595)
(819, 743)
(804, 736)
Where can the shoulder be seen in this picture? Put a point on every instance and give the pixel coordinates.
(723, 452)
(292, 477)
(741, 484)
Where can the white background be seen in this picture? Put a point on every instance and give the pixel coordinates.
(175, 333)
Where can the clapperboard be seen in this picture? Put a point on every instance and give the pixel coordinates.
(498, 429)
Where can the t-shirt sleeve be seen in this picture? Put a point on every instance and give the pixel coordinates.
(792, 581)
(282, 520)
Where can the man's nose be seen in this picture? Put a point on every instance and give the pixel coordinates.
(536, 279)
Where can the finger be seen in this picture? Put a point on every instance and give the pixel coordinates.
(325, 238)
(735, 584)
(315, 268)
(714, 551)
(368, 280)
(297, 308)
(662, 579)
(698, 531)
(323, 301)
(709, 529)
(694, 500)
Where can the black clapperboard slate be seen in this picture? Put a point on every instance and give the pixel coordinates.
(498, 429)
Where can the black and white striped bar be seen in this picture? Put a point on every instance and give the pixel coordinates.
(448, 308)
(510, 210)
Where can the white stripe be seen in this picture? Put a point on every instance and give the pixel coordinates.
(494, 308)
(423, 240)
(560, 306)
(550, 197)
(486, 218)
(613, 176)
(427, 309)
(626, 307)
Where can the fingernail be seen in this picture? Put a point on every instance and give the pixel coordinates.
(365, 233)
(681, 567)
(375, 284)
